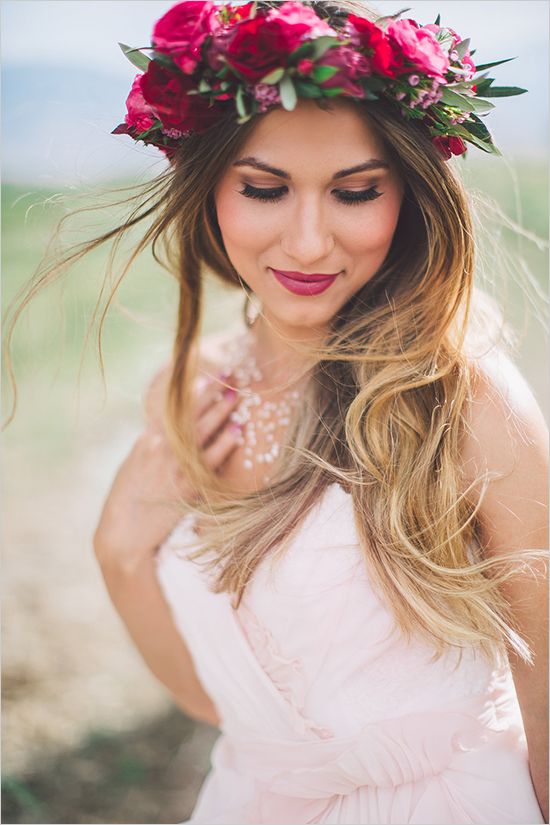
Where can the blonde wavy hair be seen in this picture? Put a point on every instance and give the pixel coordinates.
(386, 404)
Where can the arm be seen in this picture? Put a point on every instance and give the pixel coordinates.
(508, 434)
(137, 516)
(138, 599)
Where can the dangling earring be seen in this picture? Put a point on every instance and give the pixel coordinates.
(252, 308)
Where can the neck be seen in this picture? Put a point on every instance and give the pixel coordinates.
(276, 358)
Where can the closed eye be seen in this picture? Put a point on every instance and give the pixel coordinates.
(347, 196)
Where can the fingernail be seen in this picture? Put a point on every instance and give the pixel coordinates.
(236, 429)
(230, 393)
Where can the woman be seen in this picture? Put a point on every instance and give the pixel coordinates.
(339, 559)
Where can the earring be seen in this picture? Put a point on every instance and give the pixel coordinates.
(252, 308)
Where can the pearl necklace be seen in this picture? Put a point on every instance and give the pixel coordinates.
(241, 364)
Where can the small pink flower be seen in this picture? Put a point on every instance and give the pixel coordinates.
(140, 114)
(414, 80)
(267, 95)
(420, 47)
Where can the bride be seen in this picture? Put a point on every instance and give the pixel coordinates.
(363, 428)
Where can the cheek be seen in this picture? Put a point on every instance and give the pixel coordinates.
(371, 232)
(242, 224)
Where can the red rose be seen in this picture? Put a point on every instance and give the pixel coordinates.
(351, 65)
(260, 45)
(386, 58)
(181, 32)
(256, 48)
(166, 91)
(449, 145)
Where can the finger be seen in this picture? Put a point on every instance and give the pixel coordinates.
(208, 391)
(223, 445)
(214, 417)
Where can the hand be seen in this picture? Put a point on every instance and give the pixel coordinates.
(140, 512)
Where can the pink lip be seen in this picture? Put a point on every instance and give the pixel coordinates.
(301, 284)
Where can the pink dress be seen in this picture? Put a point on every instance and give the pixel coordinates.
(327, 714)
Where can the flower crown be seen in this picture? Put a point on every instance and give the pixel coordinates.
(210, 59)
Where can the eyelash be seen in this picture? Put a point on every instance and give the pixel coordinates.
(350, 198)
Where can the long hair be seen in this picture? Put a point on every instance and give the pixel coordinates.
(385, 409)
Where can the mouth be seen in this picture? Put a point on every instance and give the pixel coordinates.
(303, 276)
(301, 283)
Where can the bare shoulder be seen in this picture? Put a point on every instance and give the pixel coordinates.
(210, 351)
(505, 429)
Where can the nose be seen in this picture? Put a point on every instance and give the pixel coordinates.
(307, 237)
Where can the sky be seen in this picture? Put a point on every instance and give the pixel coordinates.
(65, 79)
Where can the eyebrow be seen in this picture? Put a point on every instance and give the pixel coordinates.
(373, 163)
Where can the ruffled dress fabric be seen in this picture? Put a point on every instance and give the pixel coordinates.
(328, 714)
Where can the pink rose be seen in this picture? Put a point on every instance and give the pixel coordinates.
(420, 47)
(301, 20)
(181, 32)
(140, 114)
(351, 65)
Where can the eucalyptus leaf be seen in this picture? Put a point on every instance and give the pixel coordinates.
(395, 16)
(321, 44)
(503, 91)
(273, 77)
(204, 86)
(288, 94)
(462, 47)
(239, 100)
(465, 104)
(136, 58)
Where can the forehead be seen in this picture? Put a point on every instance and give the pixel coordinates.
(340, 136)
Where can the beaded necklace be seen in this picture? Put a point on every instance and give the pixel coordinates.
(241, 364)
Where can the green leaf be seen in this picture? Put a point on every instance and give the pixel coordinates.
(462, 47)
(336, 90)
(288, 93)
(483, 66)
(321, 44)
(304, 50)
(139, 60)
(306, 89)
(204, 86)
(504, 91)
(437, 20)
(273, 77)
(483, 85)
(322, 73)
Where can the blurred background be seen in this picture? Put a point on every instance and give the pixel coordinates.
(88, 734)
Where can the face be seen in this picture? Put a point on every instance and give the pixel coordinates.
(291, 207)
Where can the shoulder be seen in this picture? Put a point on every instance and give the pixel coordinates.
(506, 437)
(210, 351)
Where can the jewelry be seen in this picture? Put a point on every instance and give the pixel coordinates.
(242, 366)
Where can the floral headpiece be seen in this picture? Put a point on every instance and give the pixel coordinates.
(211, 60)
